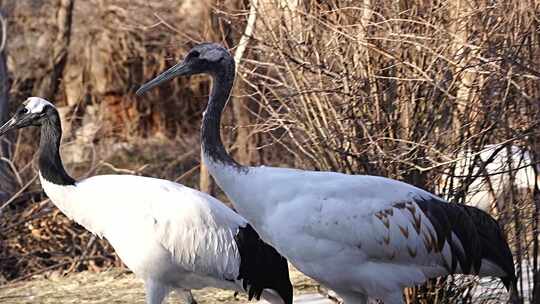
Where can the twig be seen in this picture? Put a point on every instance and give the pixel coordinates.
(14, 169)
(83, 255)
(122, 170)
(18, 193)
(187, 173)
(172, 28)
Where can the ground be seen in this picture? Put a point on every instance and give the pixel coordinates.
(119, 287)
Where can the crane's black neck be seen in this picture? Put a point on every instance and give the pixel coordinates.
(50, 163)
(222, 83)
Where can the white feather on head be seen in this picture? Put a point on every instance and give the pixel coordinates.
(36, 104)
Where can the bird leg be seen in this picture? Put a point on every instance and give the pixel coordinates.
(186, 296)
(155, 292)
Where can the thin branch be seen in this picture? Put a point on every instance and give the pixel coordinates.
(16, 195)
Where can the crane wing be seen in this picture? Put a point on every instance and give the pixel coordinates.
(383, 220)
(195, 229)
(198, 231)
(426, 232)
(419, 229)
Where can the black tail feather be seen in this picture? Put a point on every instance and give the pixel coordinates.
(261, 266)
(493, 245)
(479, 234)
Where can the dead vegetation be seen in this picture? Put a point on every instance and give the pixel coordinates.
(403, 90)
(115, 286)
(113, 46)
(399, 90)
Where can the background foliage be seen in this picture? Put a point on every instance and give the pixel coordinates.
(404, 89)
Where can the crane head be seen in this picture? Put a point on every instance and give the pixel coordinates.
(31, 113)
(208, 58)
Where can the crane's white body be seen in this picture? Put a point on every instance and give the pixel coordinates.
(359, 235)
(327, 226)
(164, 232)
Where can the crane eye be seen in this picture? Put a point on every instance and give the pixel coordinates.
(23, 111)
(194, 54)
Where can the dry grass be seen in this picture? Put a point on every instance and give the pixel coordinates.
(114, 286)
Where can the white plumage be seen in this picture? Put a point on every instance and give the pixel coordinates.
(171, 236)
(157, 226)
(359, 235)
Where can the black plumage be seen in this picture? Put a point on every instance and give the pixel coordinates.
(479, 235)
(50, 163)
(261, 266)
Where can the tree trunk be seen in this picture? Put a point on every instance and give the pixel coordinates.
(206, 183)
(48, 86)
(244, 143)
(7, 180)
(462, 51)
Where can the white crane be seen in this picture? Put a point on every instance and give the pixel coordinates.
(362, 236)
(171, 236)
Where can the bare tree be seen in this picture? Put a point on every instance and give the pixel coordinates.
(244, 143)
(49, 82)
(7, 182)
(206, 183)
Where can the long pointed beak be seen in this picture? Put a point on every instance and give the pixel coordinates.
(7, 126)
(175, 71)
